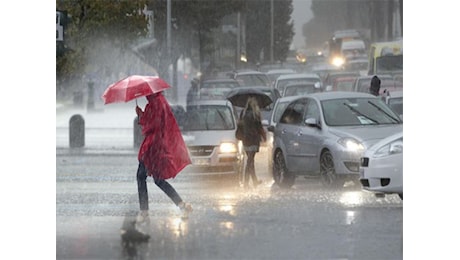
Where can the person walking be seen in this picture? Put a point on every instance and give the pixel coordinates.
(162, 154)
(193, 92)
(253, 133)
(375, 86)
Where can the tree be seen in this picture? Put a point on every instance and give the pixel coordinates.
(98, 28)
(258, 30)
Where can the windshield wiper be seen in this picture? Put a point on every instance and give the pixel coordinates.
(380, 109)
(361, 114)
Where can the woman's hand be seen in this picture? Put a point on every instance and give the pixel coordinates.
(139, 111)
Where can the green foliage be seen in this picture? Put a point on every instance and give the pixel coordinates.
(118, 22)
(258, 21)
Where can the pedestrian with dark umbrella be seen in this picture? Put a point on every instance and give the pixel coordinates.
(253, 134)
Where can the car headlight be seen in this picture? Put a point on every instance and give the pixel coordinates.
(394, 147)
(228, 148)
(351, 144)
(338, 61)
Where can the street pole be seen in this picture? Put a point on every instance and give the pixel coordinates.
(238, 41)
(272, 41)
(168, 46)
(168, 28)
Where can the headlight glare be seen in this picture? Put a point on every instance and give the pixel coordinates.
(228, 148)
(351, 144)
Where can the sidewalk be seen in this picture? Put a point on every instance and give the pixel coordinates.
(109, 129)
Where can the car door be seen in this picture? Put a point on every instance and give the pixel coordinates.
(288, 129)
(309, 137)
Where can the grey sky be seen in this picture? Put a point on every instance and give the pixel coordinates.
(301, 15)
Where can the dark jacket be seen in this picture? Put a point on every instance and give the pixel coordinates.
(253, 130)
(375, 86)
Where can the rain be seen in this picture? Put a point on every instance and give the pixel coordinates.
(94, 200)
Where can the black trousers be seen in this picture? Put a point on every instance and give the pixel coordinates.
(162, 184)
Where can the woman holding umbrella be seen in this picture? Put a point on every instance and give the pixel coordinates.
(162, 154)
(253, 134)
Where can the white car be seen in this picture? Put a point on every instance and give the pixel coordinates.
(209, 133)
(394, 99)
(286, 79)
(381, 169)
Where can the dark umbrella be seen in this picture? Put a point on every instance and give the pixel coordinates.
(239, 97)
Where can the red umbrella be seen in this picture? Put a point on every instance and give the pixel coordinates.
(133, 87)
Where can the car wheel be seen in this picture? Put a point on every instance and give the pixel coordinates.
(328, 175)
(400, 196)
(281, 175)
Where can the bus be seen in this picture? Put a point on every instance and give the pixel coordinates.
(386, 58)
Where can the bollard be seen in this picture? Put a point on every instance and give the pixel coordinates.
(138, 137)
(76, 131)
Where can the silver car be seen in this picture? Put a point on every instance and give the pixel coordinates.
(325, 134)
(209, 132)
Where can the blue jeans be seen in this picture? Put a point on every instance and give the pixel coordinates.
(162, 184)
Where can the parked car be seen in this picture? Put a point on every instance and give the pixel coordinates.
(387, 83)
(325, 134)
(209, 132)
(381, 169)
(216, 88)
(283, 80)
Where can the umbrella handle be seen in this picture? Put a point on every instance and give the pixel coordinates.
(136, 113)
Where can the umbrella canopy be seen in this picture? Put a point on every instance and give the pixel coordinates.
(239, 97)
(132, 87)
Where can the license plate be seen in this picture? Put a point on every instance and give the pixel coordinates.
(200, 161)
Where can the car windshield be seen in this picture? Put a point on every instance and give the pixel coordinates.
(252, 80)
(208, 117)
(282, 83)
(345, 85)
(215, 90)
(389, 63)
(299, 90)
(357, 111)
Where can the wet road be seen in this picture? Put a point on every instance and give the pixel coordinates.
(97, 194)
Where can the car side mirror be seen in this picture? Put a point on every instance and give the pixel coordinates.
(271, 128)
(312, 122)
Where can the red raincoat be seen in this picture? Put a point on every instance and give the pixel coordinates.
(163, 150)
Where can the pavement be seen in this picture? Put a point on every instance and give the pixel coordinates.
(108, 129)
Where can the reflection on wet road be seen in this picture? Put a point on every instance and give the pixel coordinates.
(95, 196)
